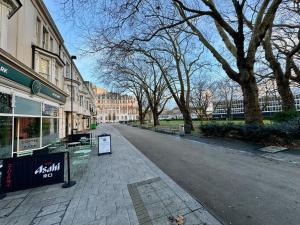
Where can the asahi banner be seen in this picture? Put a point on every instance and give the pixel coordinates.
(32, 171)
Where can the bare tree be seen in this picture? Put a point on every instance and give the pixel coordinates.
(225, 94)
(230, 21)
(142, 78)
(178, 61)
(202, 96)
(282, 47)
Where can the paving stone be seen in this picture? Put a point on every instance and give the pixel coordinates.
(49, 219)
(157, 210)
(150, 198)
(48, 210)
(6, 211)
(4, 203)
(19, 220)
(273, 149)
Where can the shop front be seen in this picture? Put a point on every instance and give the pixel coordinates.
(30, 111)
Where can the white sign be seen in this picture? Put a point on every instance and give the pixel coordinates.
(104, 144)
(29, 143)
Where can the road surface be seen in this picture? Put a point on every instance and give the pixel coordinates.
(239, 187)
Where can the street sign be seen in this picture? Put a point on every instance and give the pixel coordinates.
(32, 171)
(104, 144)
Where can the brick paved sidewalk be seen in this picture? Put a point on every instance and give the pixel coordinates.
(124, 188)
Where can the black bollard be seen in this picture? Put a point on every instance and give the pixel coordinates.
(70, 182)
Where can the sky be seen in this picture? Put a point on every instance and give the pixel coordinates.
(73, 41)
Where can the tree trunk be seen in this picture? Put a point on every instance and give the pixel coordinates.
(141, 113)
(155, 118)
(286, 95)
(141, 117)
(252, 110)
(187, 118)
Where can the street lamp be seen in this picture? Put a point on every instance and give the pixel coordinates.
(72, 58)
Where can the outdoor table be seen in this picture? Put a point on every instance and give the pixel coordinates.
(73, 144)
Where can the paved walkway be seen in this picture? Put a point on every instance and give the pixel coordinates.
(124, 188)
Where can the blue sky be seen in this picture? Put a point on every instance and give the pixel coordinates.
(73, 41)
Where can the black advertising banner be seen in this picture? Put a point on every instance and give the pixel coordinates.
(32, 171)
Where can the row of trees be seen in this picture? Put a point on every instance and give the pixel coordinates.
(159, 49)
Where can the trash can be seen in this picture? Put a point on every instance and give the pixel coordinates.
(181, 130)
(104, 144)
(93, 126)
(187, 129)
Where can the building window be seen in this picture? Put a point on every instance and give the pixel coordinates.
(5, 103)
(68, 74)
(50, 130)
(5, 136)
(57, 74)
(29, 132)
(45, 39)
(38, 31)
(51, 45)
(44, 68)
(81, 100)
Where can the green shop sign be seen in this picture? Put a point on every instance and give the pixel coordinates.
(35, 85)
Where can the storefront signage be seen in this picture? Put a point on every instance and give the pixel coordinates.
(49, 110)
(104, 144)
(29, 143)
(36, 87)
(32, 171)
(20, 78)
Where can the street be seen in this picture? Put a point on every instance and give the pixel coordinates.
(238, 187)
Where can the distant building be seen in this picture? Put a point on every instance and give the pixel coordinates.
(171, 114)
(114, 107)
(268, 104)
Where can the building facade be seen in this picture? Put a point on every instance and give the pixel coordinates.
(268, 104)
(114, 107)
(35, 81)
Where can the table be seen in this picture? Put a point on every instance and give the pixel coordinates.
(73, 144)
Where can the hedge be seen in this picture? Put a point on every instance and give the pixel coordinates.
(277, 133)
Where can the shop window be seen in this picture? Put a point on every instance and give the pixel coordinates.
(49, 110)
(49, 131)
(29, 133)
(27, 107)
(5, 103)
(5, 136)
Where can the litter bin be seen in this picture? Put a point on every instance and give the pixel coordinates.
(181, 130)
(187, 129)
(104, 144)
(93, 126)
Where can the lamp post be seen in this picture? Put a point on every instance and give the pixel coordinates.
(69, 182)
(72, 58)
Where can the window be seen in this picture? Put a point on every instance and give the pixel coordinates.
(27, 107)
(57, 74)
(51, 44)
(45, 39)
(81, 100)
(44, 68)
(38, 31)
(49, 130)
(68, 74)
(5, 103)
(5, 136)
(29, 132)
